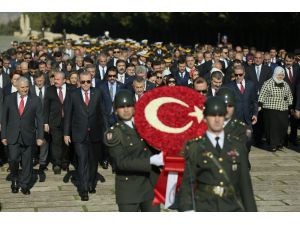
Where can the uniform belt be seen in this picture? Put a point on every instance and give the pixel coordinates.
(220, 191)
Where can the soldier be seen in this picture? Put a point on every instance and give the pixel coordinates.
(136, 163)
(233, 126)
(216, 177)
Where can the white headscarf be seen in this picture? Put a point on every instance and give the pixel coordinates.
(278, 70)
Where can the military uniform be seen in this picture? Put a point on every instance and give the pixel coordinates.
(216, 181)
(236, 129)
(135, 177)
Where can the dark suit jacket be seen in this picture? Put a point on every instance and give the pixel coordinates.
(265, 74)
(108, 102)
(79, 118)
(33, 92)
(1, 104)
(207, 66)
(5, 80)
(182, 81)
(98, 73)
(149, 85)
(53, 107)
(246, 104)
(29, 125)
(7, 90)
(294, 83)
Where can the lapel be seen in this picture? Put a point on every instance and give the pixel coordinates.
(92, 102)
(27, 105)
(209, 146)
(128, 129)
(81, 99)
(225, 148)
(56, 94)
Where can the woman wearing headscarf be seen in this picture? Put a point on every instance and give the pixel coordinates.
(276, 99)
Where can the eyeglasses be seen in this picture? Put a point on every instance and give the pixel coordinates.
(230, 105)
(85, 81)
(171, 81)
(112, 75)
(158, 77)
(27, 57)
(202, 91)
(116, 51)
(238, 74)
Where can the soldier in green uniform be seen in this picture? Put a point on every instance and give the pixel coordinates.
(216, 176)
(233, 126)
(136, 164)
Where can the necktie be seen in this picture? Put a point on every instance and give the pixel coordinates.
(218, 147)
(257, 72)
(103, 73)
(111, 91)
(41, 94)
(21, 106)
(290, 74)
(242, 88)
(86, 98)
(60, 95)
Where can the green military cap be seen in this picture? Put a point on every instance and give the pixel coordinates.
(227, 95)
(214, 106)
(124, 98)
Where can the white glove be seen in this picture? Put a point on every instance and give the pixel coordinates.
(157, 160)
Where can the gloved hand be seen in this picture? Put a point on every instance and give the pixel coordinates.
(157, 160)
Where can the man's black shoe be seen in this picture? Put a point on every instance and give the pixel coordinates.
(57, 170)
(65, 167)
(104, 164)
(14, 187)
(92, 190)
(25, 191)
(43, 168)
(84, 197)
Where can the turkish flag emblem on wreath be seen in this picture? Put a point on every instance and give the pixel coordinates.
(167, 117)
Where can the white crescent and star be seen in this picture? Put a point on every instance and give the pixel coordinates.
(151, 115)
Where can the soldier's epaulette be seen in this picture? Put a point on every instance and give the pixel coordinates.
(239, 122)
(112, 136)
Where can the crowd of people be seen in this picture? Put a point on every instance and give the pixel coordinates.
(57, 100)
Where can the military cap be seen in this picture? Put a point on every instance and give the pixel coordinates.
(227, 95)
(124, 98)
(214, 106)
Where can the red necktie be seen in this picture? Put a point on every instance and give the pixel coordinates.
(21, 106)
(60, 95)
(290, 74)
(242, 88)
(86, 98)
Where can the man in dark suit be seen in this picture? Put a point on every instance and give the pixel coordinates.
(216, 83)
(61, 66)
(91, 69)
(122, 77)
(114, 59)
(140, 71)
(182, 76)
(292, 77)
(22, 127)
(109, 89)
(39, 90)
(54, 120)
(2, 153)
(84, 125)
(258, 73)
(4, 78)
(101, 66)
(33, 66)
(246, 107)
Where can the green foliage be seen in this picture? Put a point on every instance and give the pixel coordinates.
(10, 27)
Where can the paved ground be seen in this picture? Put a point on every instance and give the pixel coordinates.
(275, 178)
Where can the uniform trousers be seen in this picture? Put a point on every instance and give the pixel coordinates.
(145, 206)
(20, 152)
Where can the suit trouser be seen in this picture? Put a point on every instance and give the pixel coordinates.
(17, 153)
(87, 157)
(145, 206)
(59, 151)
(294, 123)
(258, 128)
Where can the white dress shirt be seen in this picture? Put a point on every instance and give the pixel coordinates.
(13, 89)
(212, 137)
(37, 90)
(63, 89)
(244, 84)
(1, 81)
(19, 100)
